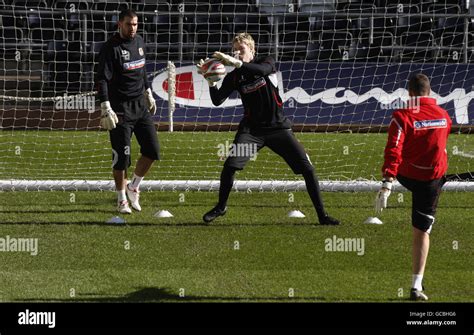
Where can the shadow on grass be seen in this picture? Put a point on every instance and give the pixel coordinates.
(153, 294)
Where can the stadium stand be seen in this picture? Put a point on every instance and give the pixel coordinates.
(293, 30)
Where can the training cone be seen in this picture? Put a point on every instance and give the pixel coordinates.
(373, 220)
(116, 220)
(163, 214)
(296, 214)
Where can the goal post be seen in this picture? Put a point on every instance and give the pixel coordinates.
(341, 71)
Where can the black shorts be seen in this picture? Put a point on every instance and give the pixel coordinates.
(133, 118)
(281, 141)
(425, 196)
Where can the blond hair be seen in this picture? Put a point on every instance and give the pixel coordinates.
(245, 38)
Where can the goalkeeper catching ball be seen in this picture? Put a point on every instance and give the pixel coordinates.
(263, 123)
(416, 156)
(127, 104)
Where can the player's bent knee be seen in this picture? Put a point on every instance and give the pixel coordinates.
(120, 161)
(422, 221)
(123, 164)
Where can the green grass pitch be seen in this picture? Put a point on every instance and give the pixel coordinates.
(254, 253)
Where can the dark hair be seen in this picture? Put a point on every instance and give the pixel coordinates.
(419, 84)
(127, 13)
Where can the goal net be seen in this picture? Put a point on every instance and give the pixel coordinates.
(342, 70)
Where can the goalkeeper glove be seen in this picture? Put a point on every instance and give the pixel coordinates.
(202, 72)
(150, 101)
(382, 196)
(108, 118)
(199, 66)
(227, 60)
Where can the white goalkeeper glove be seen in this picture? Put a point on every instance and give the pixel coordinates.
(108, 118)
(382, 196)
(150, 101)
(227, 60)
(202, 72)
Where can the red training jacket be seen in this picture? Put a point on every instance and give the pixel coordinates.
(416, 145)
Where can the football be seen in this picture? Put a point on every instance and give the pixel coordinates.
(213, 70)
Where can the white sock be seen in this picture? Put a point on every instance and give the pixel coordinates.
(416, 282)
(136, 180)
(121, 195)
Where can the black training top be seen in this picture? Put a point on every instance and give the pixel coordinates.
(121, 74)
(257, 84)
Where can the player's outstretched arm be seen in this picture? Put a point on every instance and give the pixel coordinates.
(227, 60)
(263, 69)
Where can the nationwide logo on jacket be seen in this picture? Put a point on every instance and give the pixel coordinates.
(136, 64)
(430, 124)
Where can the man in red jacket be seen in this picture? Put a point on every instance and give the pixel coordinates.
(416, 156)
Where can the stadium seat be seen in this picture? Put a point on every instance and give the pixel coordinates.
(421, 4)
(164, 45)
(108, 20)
(246, 23)
(110, 6)
(275, 6)
(45, 35)
(262, 38)
(290, 37)
(149, 5)
(95, 41)
(455, 42)
(236, 14)
(30, 4)
(234, 8)
(423, 40)
(446, 24)
(272, 7)
(156, 17)
(321, 15)
(213, 40)
(7, 20)
(193, 23)
(217, 37)
(10, 40)
(409, 23)
(194, 14)
(374, 51)
(64, 51)
(32, 18)
(317, 6)
(358, 8)
(72, 4)
(333, 45)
